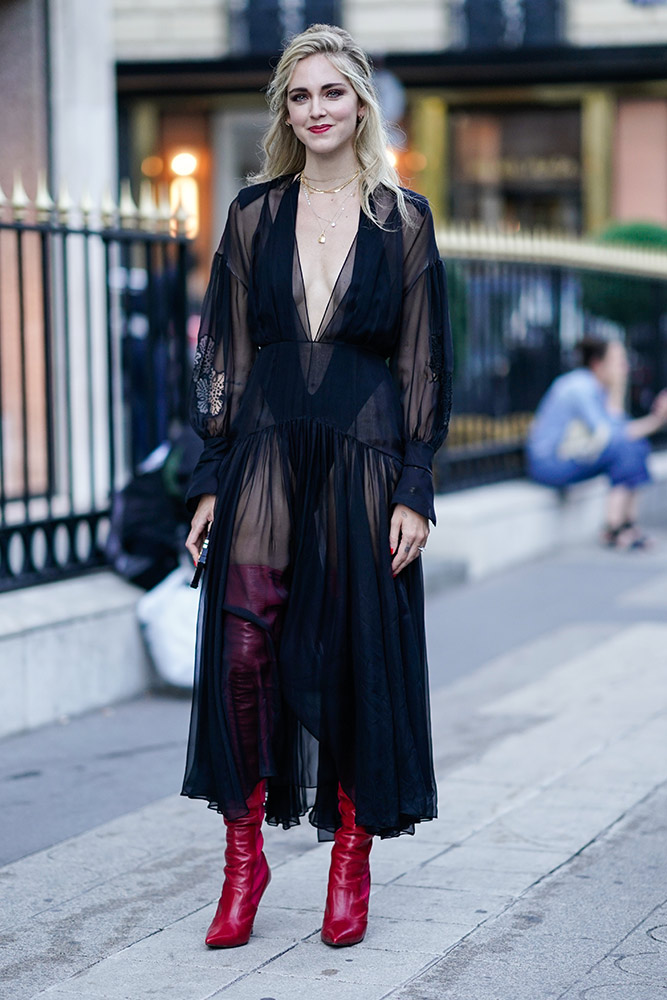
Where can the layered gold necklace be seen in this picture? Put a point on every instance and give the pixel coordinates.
(308, 184)
(322, 238)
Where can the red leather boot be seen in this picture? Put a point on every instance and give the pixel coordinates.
(346, 912)
(247, 875)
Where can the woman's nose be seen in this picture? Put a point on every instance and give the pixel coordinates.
(316, 109)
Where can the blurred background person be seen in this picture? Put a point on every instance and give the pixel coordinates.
(581, 430)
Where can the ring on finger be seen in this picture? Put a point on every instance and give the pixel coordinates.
(421, 547)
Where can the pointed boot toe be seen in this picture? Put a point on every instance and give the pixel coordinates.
(340, 934)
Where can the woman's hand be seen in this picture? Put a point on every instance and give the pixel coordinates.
(201, 522)
(408, 532)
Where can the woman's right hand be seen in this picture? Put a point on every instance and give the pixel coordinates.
(201, 522)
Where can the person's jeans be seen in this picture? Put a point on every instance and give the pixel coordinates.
(623, 460)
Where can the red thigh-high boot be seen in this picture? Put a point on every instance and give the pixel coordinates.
(246, 877)
(346, 912)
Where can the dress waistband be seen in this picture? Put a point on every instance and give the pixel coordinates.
(337, 344)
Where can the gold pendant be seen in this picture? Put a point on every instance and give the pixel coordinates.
(321, 238)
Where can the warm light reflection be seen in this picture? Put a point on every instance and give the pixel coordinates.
(184, 164)
(414, 161)
(152, 166)
(392, 157)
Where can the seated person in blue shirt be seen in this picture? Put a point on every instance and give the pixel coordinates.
(581, 430)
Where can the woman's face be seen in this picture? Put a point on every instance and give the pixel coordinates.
(322, 106)
(612, 369)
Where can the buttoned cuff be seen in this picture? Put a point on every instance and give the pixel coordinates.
(415, 487)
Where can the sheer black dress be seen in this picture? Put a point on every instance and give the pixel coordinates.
(311, 658)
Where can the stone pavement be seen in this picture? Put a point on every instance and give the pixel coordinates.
(542, 878)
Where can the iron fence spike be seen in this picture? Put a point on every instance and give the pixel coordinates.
(20, 199)
(163, 208)
(127, 207)
(86, 206)
(108, 208)
(65, 203)
(44, 203)
(180, 216)
(147, 207)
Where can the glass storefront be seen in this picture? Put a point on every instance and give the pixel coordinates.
(518, 167)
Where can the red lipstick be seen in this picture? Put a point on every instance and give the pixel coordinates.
(319, 128)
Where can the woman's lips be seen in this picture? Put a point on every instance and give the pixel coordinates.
(319, 128)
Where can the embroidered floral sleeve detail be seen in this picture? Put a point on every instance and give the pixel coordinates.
(209, 384)
(203, 357)
(210, 392)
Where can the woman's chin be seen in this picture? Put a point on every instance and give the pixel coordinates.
(326, 144)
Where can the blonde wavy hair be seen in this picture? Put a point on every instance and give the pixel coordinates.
(284, 154)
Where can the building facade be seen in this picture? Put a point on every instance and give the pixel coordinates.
(520, 113)
(549, 114)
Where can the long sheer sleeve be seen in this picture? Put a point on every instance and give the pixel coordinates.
(422, 364)
(225, 354)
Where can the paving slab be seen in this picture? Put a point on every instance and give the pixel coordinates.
(558, 941)
(512, 804)
(265, 985)
(550, 760)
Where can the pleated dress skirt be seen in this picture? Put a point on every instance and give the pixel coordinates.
(311, 660)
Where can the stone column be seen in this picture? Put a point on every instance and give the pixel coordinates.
(23, 85)
(430, 138)
(83, 96)
(84, 158)
(597, 126)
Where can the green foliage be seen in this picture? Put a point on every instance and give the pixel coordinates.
(646, 234)
(625, 299)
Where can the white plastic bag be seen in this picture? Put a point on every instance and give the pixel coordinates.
(168, 618)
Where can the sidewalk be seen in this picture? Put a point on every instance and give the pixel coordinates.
(543, 877)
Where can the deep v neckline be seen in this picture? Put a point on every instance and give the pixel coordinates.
(321, 326)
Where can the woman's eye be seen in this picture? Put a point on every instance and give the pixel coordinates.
(297, 97)
(334, 93)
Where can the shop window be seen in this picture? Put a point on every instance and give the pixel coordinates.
(262, 25)
(511, 23)
(517, 167)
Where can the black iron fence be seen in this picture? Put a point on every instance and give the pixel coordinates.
(93, 372)
(518, 307)
(94, 359)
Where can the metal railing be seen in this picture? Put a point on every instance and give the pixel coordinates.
(93, 368)
(519, 304)
(94, 359)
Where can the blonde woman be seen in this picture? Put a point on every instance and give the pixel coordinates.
(322, 388)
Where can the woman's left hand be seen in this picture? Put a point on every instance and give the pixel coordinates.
(408, 532)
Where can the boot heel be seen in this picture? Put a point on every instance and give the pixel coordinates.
(263, 884)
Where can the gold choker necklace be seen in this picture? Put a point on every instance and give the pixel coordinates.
(333, 190)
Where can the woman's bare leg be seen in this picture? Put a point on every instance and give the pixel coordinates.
(622, 509)
(619, 501)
